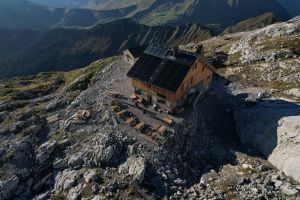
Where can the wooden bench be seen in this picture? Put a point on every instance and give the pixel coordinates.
(121, 113)
(131, 121)
(162, 130)
(168, 121)
(139, 126)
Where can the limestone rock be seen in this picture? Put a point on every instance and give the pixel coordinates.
(65, 180)
(90, 176)
(274, 129)
(135, 167)
(45, 150)
(293, 92)
(76, 161)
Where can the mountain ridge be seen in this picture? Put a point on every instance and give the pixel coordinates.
(65, 49)
(216, 14)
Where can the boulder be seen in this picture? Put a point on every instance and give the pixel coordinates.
(65, 180)
(288, 190)
(273, 128)
(90, 176)
(109, 153)
(45, 151)
(135, 167)
(293, 92)
(76, 161)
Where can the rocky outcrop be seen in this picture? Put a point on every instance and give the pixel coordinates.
(135, 167)
(8, 187)
(44, 151)
(273, 128)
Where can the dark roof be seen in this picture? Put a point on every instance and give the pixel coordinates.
(162, 68)
(137, 51)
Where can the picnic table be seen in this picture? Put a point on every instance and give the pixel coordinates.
(139, 126)
(131, 121)
(162, 130)
(168, 121)
(121, 113)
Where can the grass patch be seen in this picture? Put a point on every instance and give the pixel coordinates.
(291, 43)
(58, 135)
(97, 66)
(7, 123)
(58, 196)
(234, 58)
(285, 86)
(226, 189)
(87, 191)
(234, 78)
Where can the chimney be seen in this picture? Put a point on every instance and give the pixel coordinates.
(200, 50)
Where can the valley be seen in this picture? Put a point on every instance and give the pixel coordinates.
(30, 52)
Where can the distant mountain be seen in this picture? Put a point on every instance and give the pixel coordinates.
(29, 52)
(62, 3)
(215, 14)
(292, 6)
(252, 23)
(221, 13)
(22, 14)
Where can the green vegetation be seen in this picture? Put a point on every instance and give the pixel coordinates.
(252, 23)
(97, 66)
(291, 43)
(7, 123)
(285, 86)
(87, 191)
(58, 195)
(58, 135)
(234, 59)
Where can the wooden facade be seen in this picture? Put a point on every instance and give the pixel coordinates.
(199, 77)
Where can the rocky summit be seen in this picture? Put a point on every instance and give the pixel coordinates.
(61, 139)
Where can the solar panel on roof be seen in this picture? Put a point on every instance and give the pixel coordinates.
(156, 51)
(155, 67)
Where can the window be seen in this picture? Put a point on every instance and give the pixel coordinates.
(161, 96)
(191, 81)
(161, 101)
